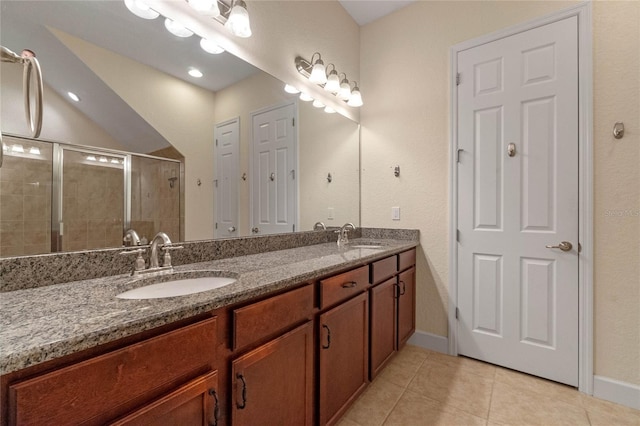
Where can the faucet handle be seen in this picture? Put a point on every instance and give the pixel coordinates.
(166, 258)
(140, 263)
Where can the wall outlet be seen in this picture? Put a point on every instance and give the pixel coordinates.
(330, 214)
(395, 213)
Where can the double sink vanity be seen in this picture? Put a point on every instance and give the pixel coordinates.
(295, 334)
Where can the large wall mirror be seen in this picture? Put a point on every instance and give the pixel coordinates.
(136, 97)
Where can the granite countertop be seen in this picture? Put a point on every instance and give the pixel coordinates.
(44, 323)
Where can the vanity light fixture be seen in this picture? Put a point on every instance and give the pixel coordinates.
(211, 46)
(356, 98)
(176, 28)
(17, 148)
(115, 161)
(73, 96)
(91, 158)
(103, 159)
(318, 72)
(194, 72)
(329, 110)
(141, 9)
(305, 97)
(318, 104)
(238, 20)
(333, 81)
(34, 150)
(206, 7)
(290, 89)
(345, 89)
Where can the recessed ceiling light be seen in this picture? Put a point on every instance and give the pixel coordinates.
(193, 72)
(73, 96)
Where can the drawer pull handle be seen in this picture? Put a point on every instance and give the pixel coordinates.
(350, 284)
(328, 337)
(404, 288)
(244, 392)
(396, 292)
(216, 407)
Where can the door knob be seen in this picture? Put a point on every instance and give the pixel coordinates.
(231, 229)
(564, 246)
(255, 230)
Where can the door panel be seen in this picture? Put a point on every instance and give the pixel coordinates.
(518, 299)
(227, 175)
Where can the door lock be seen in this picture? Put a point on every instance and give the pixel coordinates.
(564, 246)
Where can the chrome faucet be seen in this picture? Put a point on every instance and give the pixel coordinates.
(343, 238)
(160, 239)
(131, 238)
(319, 226)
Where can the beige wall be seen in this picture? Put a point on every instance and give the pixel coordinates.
(181, 112)
(407, 123)
(60, 121)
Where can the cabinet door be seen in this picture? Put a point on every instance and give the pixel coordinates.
(344, 356)
(273, 384)
(382, 324)
(195, 403)
(406, 305)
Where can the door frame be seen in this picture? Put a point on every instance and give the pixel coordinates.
(583, 12)
(296, 161)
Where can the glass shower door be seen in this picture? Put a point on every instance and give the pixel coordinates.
(91, 199)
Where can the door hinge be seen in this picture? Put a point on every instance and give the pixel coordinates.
(293, 174)
(294, 227)
(457, 313)
(215, 182)
(458, 79)
(457, 235)
(216, 142)
(216, 225)
(458, 154)
(293, 122)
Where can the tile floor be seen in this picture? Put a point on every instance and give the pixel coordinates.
(421, 387)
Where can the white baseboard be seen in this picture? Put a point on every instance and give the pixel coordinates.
(616, 391)
(430, 341)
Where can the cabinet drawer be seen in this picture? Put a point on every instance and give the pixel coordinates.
(407, 259)
(271, 316)
(383, 269)
(343, 286)
(102, 388)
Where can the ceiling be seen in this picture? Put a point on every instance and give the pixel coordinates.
(366, 11)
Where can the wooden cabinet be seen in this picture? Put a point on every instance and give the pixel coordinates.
(406, 305)
(103, 388)
(343, 357)
(383, 323)
(195, 403)
(273, 384)
(342, 286)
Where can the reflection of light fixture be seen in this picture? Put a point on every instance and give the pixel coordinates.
(333, 81)
(206, 7)
(210, 46)
(91, 157)
(318, 72)
(103, 159)
(290, 89)
(73, 96)
(115, 161)
(194, 72)
(356, 98)
(17, 148)
(176, 28)
(305, 97)
(238, 20)
(34, 150)
(141, 9)
(318, 104)
(329, 110)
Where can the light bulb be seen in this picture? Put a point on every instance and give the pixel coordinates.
(290, 89)
(115, 161)
(210, 46)
(356, 98)
(238, 21)
(345, 90)
(318, 104)
(333, 82)
(91, 157)
(17, 148)
(177, 29)
(140, 9)
(305, 97)
(206, 7)
(329, 110)
(318, 73)
(73, 96)
(34, 150)
(103, 159)
(196, 73)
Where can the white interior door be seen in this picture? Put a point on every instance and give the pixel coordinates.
(227, 136)
(518, 299)
(273, 177)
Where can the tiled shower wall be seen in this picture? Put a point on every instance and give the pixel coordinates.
(25, 201)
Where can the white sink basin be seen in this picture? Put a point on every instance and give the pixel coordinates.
(181, 287)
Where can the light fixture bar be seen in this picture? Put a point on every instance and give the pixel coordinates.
(353, 98)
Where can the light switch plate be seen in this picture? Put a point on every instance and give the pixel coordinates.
(395, 213)
(330, 215)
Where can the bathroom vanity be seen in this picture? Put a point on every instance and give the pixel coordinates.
(294, 340)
